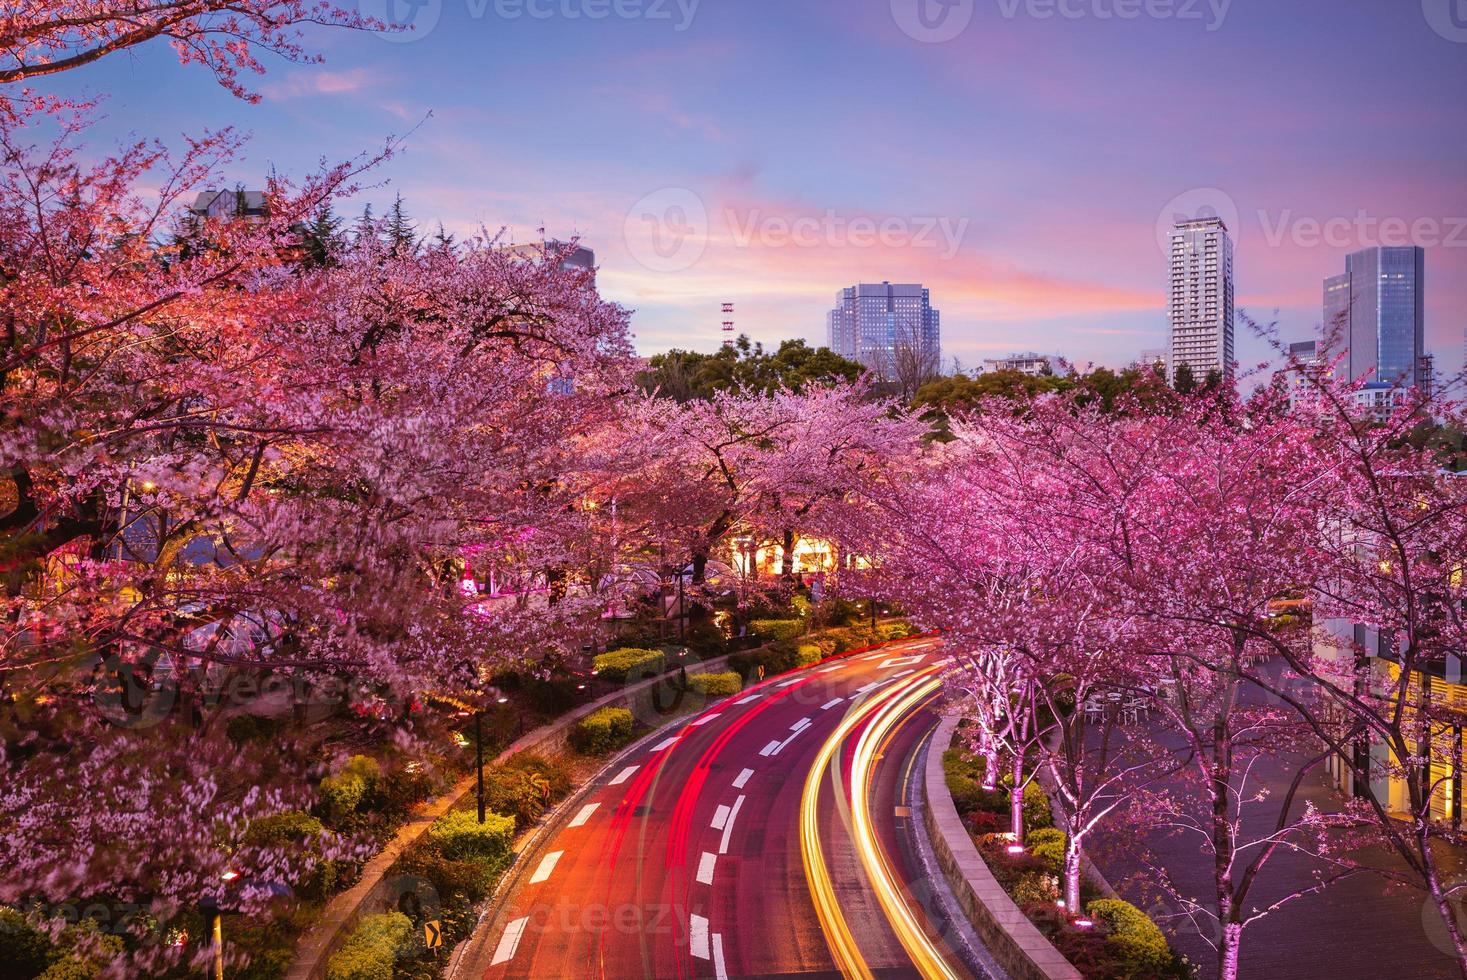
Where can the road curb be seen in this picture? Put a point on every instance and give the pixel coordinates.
(1020, 948)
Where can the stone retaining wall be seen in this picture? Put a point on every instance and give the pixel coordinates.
(1020, 948)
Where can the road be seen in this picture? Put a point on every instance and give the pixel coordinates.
(729, 845)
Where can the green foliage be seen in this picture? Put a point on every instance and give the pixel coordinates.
(1048, 846)
(688, 375)
(22, 949)
(342, 793)
(715, 685)
(371, 950)
(807, 654)
(1037, 812)
(250, 728)
(279, 829)
(899, 630)
(618, 665)
(1139, 940)
(459, 836)
(521, 793)
(1035, 888)
(602, 731)
(778, 629)
(299, 832)
(556, 773)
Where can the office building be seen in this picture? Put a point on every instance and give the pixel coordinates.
(884, 324)
(1374, 315)
(1201, 307)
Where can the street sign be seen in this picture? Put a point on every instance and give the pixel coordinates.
(433, 933)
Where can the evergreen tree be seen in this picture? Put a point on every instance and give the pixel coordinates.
(322, 238)
(366, 229)
(402, 237)
(1184, 381)
(442, 240)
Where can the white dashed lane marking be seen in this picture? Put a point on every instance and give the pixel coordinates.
(547, 866)
(510, 941)
(705, 868)
(623, 776)
(743, 779)
(584, 815)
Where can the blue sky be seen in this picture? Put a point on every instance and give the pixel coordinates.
(778, 150)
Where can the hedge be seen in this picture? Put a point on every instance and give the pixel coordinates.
(602, 731)
(341, 793)
(715, 685)
(22, 948)
(1048, 845)
(371, 950)
(778, 629)
(617, 665)
(807, 654)
(1132, 933)
(460, 837)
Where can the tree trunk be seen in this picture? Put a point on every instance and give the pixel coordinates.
(1227, 951)
(1073, 856)
(1073, 861)
(990, 762)
(1440, 898)
(787, 570)
(1016, 800)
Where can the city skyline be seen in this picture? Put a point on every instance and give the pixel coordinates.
(1037, 251)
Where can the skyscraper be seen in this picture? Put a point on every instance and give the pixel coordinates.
(883, 325)
(1201, 308)
(1374, 314)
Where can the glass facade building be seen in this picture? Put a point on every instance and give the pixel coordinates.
(875, 323)
(1376, 309)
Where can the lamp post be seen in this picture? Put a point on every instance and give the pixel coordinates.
(212, 907)
(479, 757)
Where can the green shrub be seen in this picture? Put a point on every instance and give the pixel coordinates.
(602, 731)
(474, 880)
(459, 836)
(617, 665)
(22, 949)
(521, 793)
(1132, 934)
(247, 728)
(1035, 888)
(556, 773)
(715, 685)
(1048, 845)
(342, 793)
(371, 950)
(280, 829)
(896, 631)
(1037, 812)
(807, 654)
(1046, 835)
(299, 832)
(778, 629)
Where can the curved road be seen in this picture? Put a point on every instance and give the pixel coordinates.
(729, 845)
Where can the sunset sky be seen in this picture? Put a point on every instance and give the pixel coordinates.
(1020, 169)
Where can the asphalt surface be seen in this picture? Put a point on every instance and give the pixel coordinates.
(729, 845)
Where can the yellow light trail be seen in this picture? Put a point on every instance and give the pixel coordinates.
(889, 707)
(925, 956)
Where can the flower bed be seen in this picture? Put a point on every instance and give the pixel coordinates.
(1122, 944)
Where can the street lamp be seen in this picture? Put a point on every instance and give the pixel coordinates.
(212, 908)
